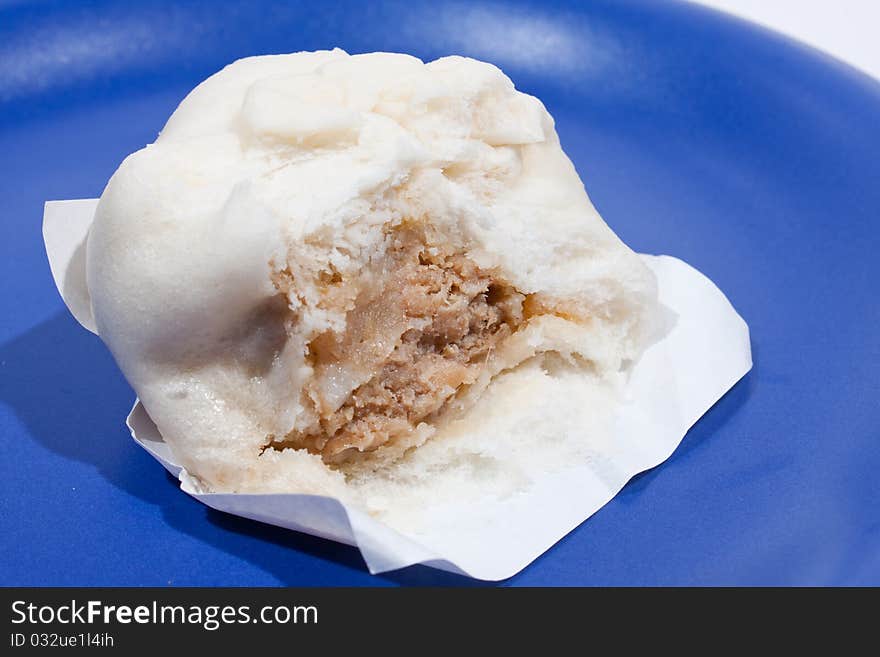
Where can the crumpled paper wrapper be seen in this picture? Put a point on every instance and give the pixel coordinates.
(676, 381)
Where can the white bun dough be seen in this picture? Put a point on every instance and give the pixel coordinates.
(233, 265)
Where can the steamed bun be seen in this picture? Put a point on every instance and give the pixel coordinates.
(361, 276)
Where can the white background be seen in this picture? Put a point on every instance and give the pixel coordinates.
(847, 29)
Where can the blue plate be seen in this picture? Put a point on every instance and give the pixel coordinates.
(753, 158)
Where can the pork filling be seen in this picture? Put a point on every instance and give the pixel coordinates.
(423, 327)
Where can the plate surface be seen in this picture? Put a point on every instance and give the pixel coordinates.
(753, 158)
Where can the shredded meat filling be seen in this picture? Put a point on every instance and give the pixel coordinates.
(443, 315)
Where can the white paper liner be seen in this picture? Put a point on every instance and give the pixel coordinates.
(675, 382)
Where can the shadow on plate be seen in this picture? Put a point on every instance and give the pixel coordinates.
(705, 428)
(64, 386)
